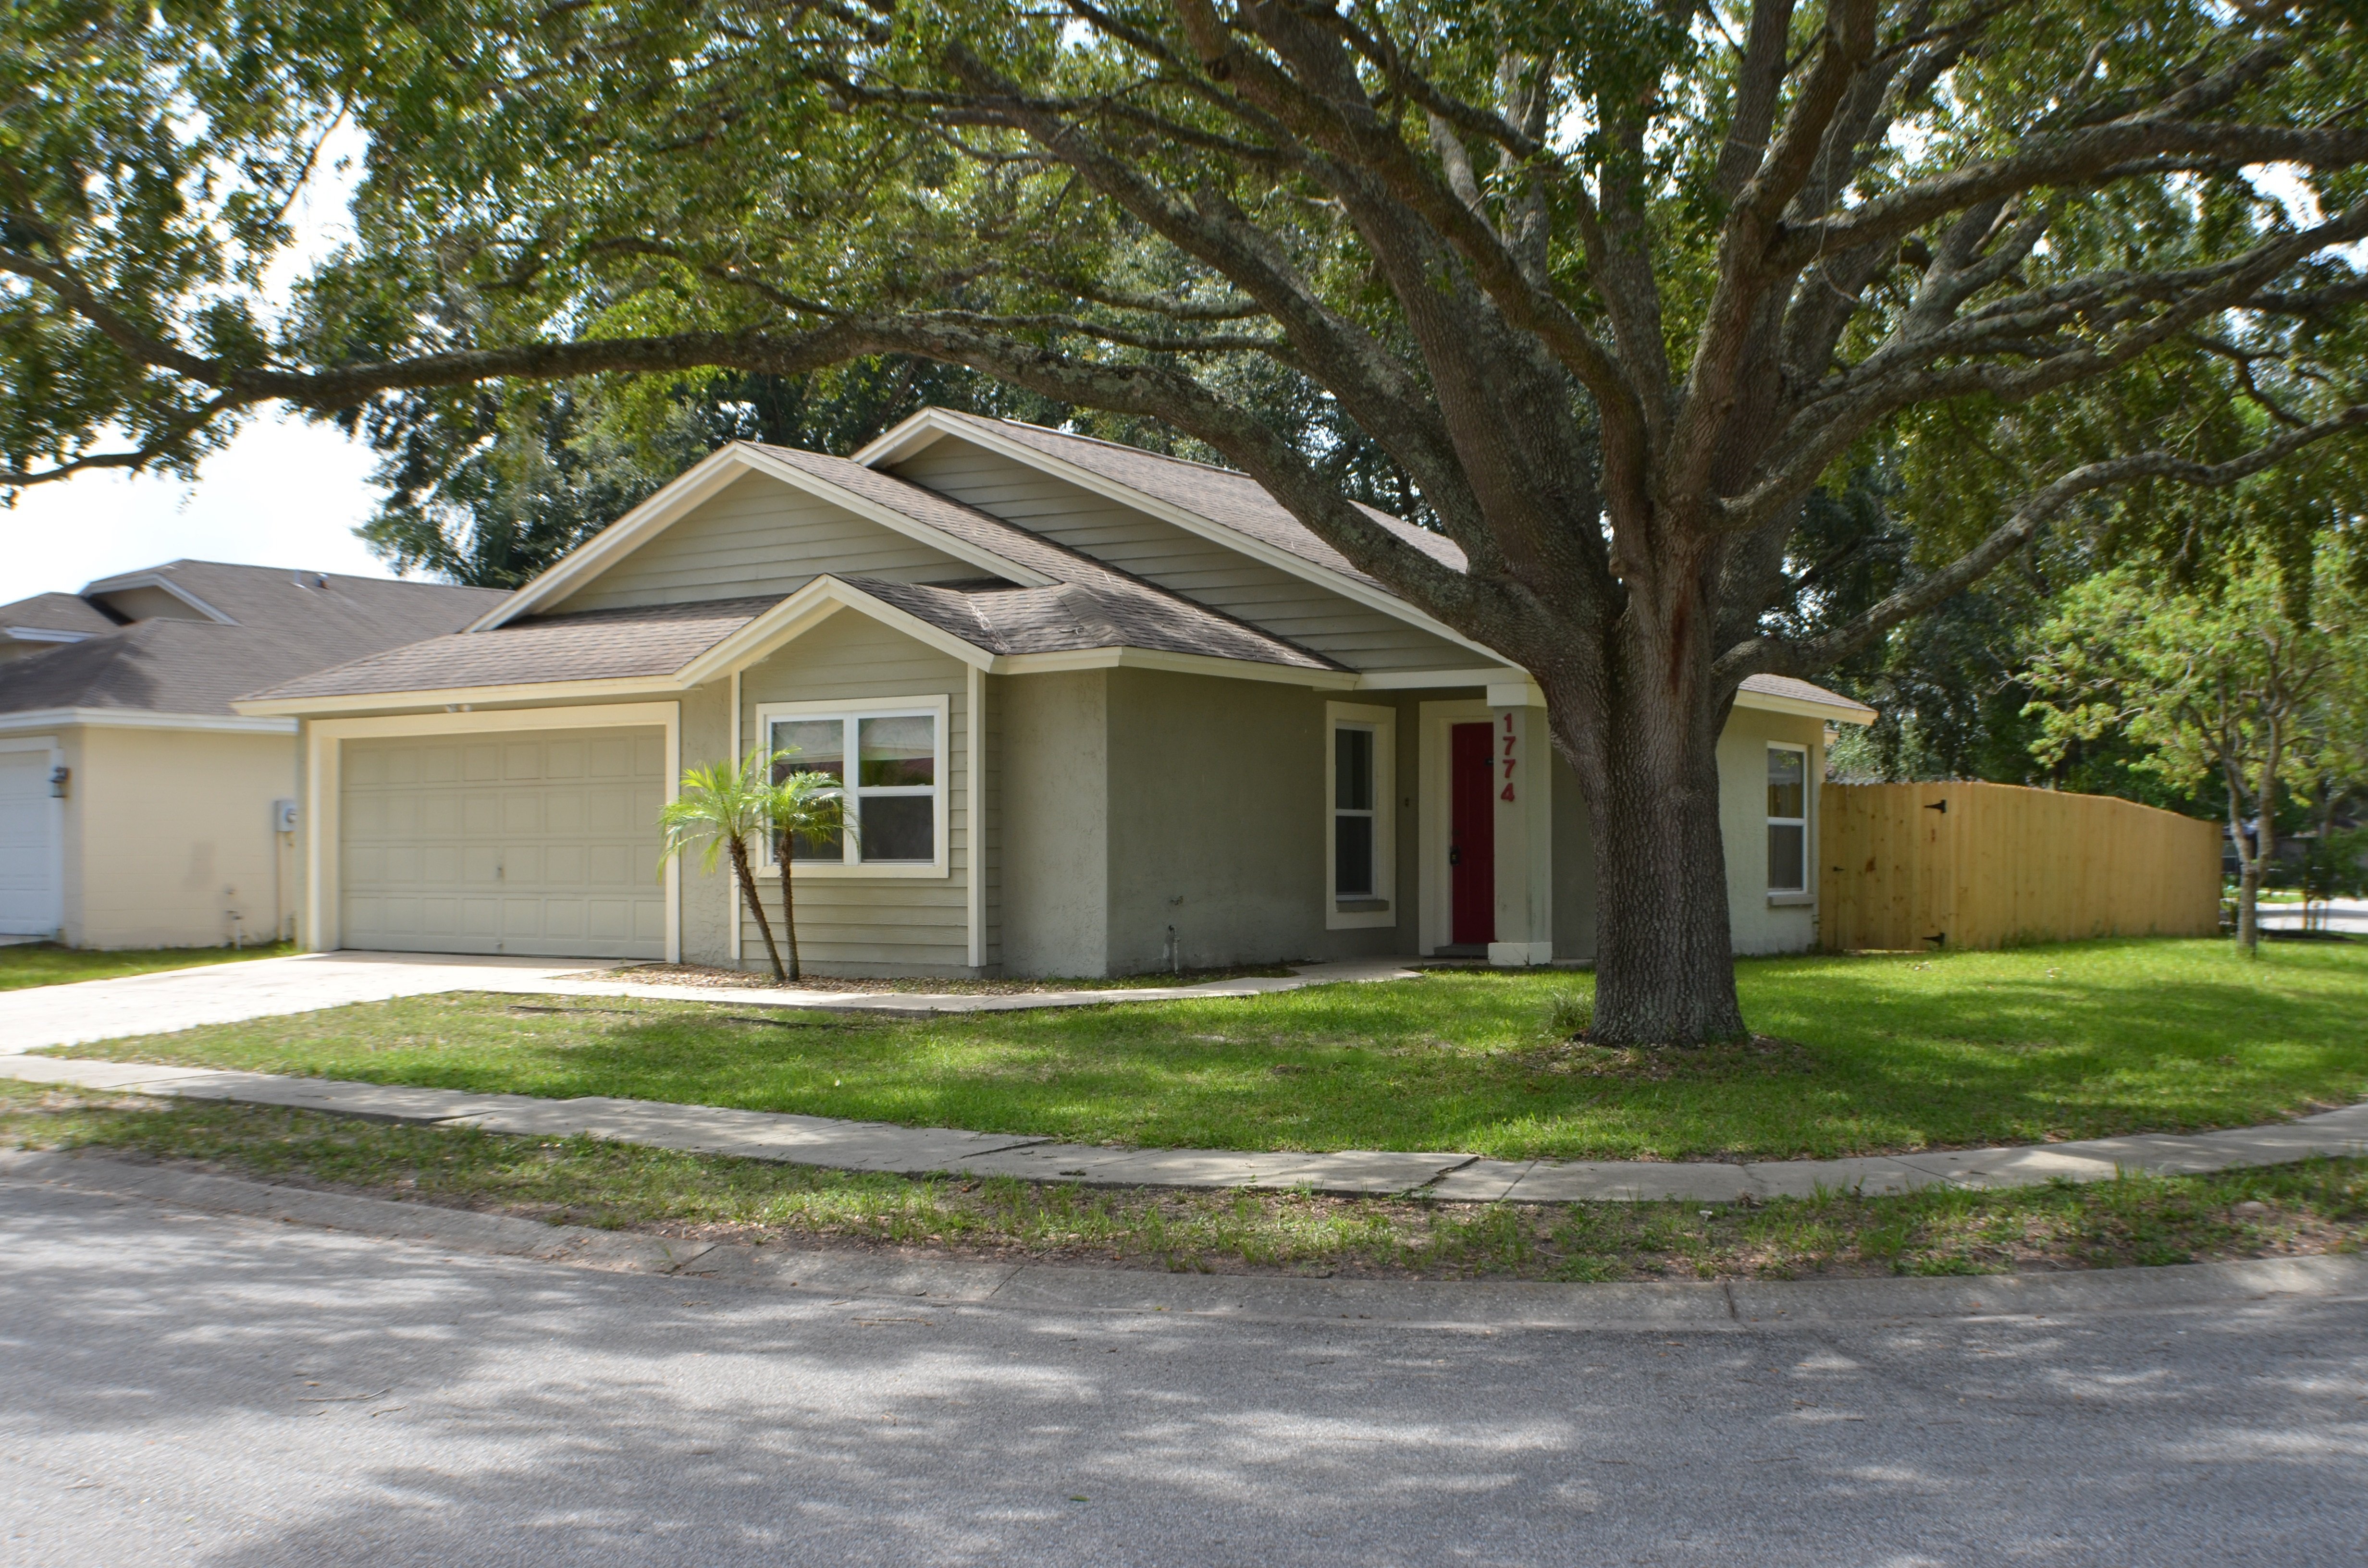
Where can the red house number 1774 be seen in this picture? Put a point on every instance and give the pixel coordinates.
(1509, 759)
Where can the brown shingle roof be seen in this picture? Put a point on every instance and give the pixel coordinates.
(1137, 614)
(1802, 691)
(56, 612)
(598, 644)
(1225, 496)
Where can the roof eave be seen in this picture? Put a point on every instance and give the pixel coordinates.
(523, 694)
(1840, 711)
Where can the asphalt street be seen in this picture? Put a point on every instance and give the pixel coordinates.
(189, 1388)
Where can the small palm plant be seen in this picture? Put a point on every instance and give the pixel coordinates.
(723, 803)
(801, 805)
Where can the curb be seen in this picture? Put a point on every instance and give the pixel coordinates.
(818, 1273)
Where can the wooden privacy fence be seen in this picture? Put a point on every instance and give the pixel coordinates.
(1926, 866)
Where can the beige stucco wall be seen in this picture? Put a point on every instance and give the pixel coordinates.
(1053, 754)
(168, 831)
(1761, 926)
(1574, 861)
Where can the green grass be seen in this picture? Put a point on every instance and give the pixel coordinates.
(1886, 1052)
(45, 963)
(2319, 1206)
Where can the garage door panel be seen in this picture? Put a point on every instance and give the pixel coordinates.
(563, 813)
(31, 896)
(522, 814)
(539, 843)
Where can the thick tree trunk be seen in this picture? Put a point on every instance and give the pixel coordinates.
(756, 905)
(1664, 949)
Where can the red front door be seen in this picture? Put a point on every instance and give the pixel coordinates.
(1472, 833)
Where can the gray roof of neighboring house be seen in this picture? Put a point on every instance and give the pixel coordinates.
(56, 612)
(282, 623)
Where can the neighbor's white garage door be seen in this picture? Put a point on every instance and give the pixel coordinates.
(542, 843)
(31, 902)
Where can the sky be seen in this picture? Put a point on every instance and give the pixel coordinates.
(282, 493)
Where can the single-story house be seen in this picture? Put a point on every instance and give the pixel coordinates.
(1098, 711)
(137, 808)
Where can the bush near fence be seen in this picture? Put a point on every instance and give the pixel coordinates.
(1927, 866)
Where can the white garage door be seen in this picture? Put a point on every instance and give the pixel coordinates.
(31, 902)
(541, 843)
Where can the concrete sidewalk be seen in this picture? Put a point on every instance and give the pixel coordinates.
(46, 1017)
(909, 1150)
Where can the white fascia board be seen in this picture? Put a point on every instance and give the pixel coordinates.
(43, 634)
(130, 580)
(1174, 664)
(1417, 680)
(915, 433)
(140, 719)
(1841, 710)
(458, 697)
(670, 501)
(805, 610)
(1371, 596)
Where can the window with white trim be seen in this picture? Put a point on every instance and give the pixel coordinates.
(890, 764)
(1360, 776)
(1788, 819)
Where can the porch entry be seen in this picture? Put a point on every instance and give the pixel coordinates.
(1472, 835)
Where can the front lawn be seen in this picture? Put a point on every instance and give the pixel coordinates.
(45, 963)
(2315, 1207)
(1875, 1053)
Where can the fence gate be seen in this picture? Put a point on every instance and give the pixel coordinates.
(1918, 867)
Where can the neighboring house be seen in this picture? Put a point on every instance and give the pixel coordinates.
(137, 807)
(1101, 711)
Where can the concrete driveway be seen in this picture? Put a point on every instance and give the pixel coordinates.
(179, 1387)
(38, 1018)
(43, 1016)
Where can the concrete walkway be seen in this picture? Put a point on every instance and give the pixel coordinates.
(909, 1150)
(42, 1017)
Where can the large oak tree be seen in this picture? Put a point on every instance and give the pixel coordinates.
(1615, 284)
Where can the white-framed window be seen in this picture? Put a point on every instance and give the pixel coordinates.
(889, 759)
(1360, 829)
(1788, 818)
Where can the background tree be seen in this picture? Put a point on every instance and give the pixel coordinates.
(1615, 284)
(2234, 680)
